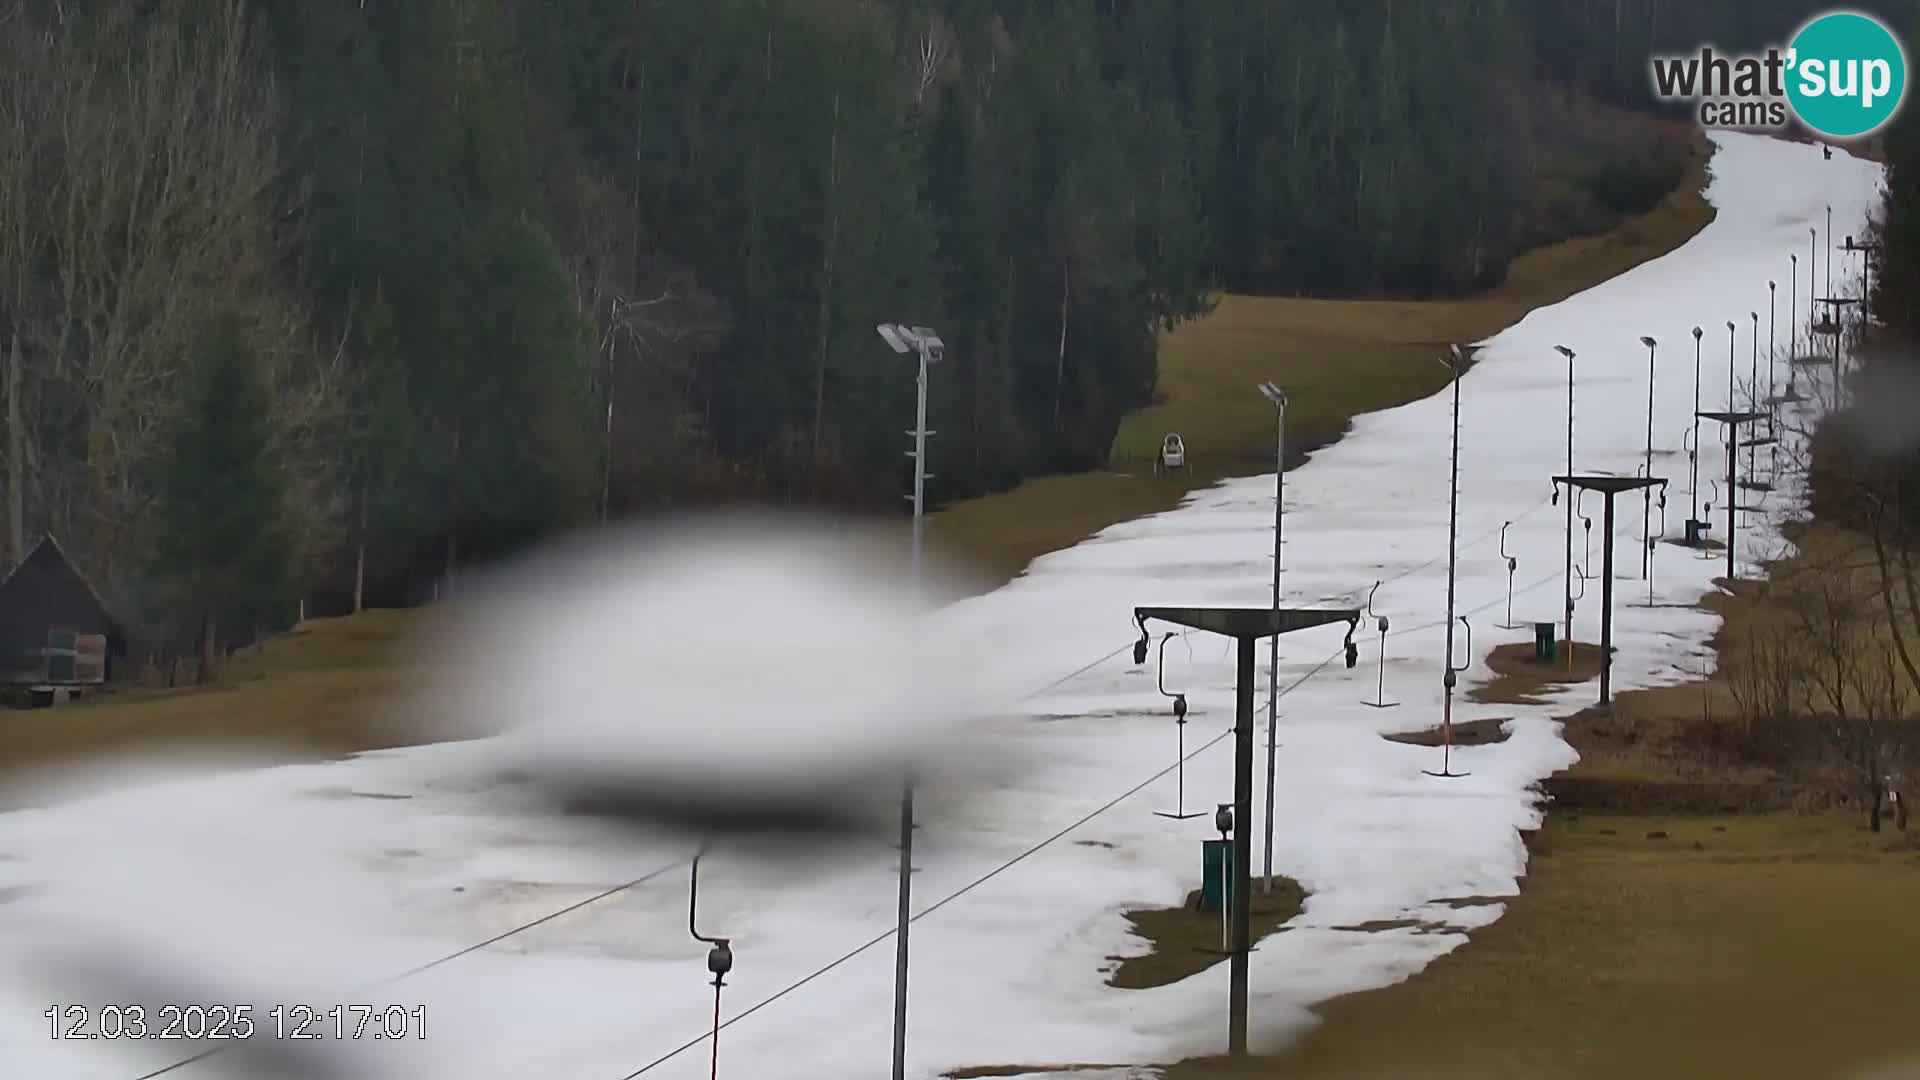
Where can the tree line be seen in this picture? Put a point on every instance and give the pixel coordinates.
(329, 300)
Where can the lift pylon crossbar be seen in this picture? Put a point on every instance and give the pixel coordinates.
(1246, 626)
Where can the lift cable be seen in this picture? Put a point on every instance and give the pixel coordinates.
(970, 886)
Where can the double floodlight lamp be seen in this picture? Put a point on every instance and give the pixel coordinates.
(921, 339)
(1647, 341)
(1274, 394)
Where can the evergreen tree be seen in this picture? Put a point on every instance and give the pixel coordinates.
(532, 249)
(220, 544)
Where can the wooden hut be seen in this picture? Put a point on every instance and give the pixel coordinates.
(56, 635)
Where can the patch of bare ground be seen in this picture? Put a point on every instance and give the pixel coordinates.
(1186, 941)
(1704, 544)
(1418, 926)
(1471, 733)
(984, 1071)
(1706, 871)
(1519, 679)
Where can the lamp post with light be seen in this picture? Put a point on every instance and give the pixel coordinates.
(1567, 590)
(925, 343)
(1646, 512)
(1279, 399)
(1456, 362)
(1693, 484)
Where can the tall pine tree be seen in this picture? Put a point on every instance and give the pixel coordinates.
(220, 544)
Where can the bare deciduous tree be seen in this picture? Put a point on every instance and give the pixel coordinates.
(139, 174)
(1764, 684)
(936, 45)
(1850, 684)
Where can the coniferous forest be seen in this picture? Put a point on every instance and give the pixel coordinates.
(333, 298)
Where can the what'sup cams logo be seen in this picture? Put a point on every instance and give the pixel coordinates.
(1843, 75)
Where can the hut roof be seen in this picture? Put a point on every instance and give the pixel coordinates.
(47, 548)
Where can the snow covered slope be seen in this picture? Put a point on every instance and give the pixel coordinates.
(281, 886)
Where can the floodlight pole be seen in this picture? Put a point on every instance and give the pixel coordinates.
(1731, 331)
(1278, 396)
(1829, 249)
(1646, 510)
(1773, 357)
(1693, 485)
(1733, 445)
(1567, 579)
(1753, 391)
(1733, 493)
(1793, 310)
(927, 345)
(904, 919)
(919, 462)
(1456, 361)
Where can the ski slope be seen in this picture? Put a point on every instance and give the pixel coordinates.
(319, 883)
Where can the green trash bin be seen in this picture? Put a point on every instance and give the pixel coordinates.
(1216, 875)
(1543, 642)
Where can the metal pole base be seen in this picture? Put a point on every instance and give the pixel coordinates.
(1446, 759)
(1176, 817)
(1381, 704)
(1446, 768)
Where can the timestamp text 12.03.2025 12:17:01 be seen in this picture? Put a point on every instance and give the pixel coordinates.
(236, 1022)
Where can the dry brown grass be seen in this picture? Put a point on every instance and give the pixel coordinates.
(1756, 946)
(1679, 918)
(319, 691)
(1341, 358)
(1338, 359)
(1520, 680)
(1186, 941)
(1697, 731)
(1471, 733)
(980, 1072)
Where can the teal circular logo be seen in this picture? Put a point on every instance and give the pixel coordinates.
(1846, 75)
